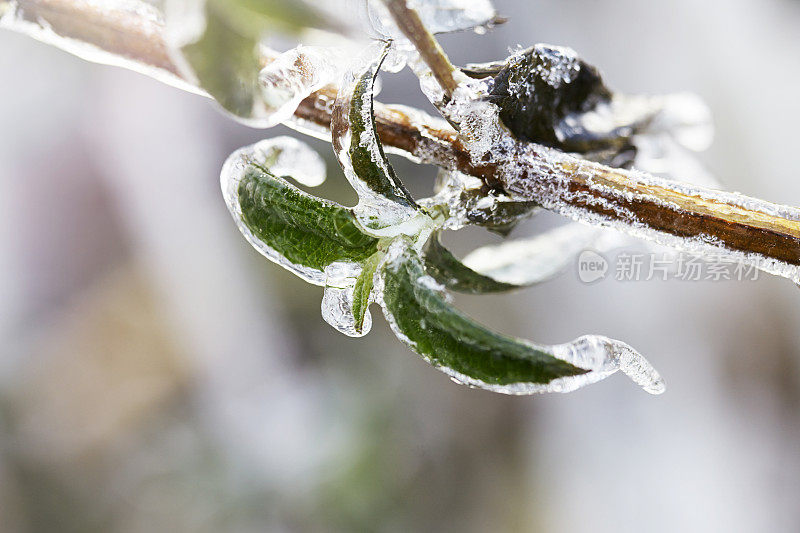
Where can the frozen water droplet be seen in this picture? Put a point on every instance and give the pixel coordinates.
(337, 300)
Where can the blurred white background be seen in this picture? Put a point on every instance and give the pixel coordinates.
(157, 374)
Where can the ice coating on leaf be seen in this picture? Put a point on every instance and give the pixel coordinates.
(559, 65)
(299, 232)
(421, 315)
(439, 16)
(294, 75)
(530, 261)
(602, 357)
(338, 299)
(446, 269)
(66, 29)
(384, 206)
(287, 156)
(217, 43)
(548, 95)
(682, 118)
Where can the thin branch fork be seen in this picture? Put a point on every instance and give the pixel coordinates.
(129, 32)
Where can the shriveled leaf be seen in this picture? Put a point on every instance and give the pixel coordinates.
(299, 231)
(382, 197)
(538, 88)
(446, 269)
(420, 314)
(548, 95)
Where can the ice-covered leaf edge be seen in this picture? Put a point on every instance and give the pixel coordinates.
(448, 270)
(328, 223)
(383, 200)
(417, 307)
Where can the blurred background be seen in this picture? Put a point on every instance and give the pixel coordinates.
(157, 374)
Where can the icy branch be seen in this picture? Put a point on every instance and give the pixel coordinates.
(411, 25)
(129, 33)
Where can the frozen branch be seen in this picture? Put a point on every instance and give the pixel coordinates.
(426, 44)
(130, 33)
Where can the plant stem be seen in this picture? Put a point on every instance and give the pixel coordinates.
(127, 35)
(411, 25)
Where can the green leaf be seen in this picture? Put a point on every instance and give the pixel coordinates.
(301, 232)
(362, 292)
(445, 268)
(225, 57)
(422, 317)
(365, 162)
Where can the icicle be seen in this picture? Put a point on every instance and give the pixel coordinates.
(337, 300)
(601, 356)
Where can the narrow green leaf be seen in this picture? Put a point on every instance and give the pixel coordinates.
(445, 268)
(355, 137)
(362, 293)
(299, 231)
(421, 316)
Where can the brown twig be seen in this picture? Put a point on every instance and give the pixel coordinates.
(411, 25)
(607, 194)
